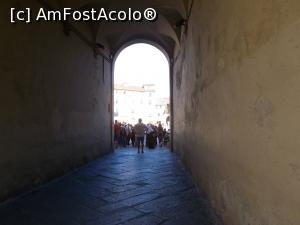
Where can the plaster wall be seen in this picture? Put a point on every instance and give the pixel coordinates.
(55, 98)
(236, 106)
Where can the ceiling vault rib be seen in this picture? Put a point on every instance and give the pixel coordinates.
(166, 31)
(68, 27)
(188, 16)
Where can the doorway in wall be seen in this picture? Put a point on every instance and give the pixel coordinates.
(142, 92)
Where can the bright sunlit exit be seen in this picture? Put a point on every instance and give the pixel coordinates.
(141, 88)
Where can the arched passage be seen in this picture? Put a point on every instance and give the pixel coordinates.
(236, 91)
(141, 84)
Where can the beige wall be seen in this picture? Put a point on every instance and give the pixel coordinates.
(54, 103)
(237, 91)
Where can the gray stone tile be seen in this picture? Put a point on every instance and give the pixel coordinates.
(144, 220)
(127, 194)
(159, 204)
(123, 188)
(136, 200)
(117, 217)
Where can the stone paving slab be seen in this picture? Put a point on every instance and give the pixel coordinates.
(123, 188)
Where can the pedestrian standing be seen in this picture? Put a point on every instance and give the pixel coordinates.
(140, 129)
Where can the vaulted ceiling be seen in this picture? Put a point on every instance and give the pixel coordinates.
(164, 31)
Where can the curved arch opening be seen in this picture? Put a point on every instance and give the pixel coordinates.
(141, 73)
(141, 41)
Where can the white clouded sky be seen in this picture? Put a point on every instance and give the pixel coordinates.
(141, 64)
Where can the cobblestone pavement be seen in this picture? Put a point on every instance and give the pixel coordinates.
(123, 188)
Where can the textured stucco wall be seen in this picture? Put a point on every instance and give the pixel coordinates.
(54, 102)
(236, 92)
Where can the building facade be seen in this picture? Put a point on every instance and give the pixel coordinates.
(134, 102)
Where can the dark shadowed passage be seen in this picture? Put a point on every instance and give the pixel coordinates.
(122, 188)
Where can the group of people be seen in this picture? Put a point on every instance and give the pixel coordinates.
(129, 135)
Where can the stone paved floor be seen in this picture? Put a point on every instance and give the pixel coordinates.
(123, 188)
